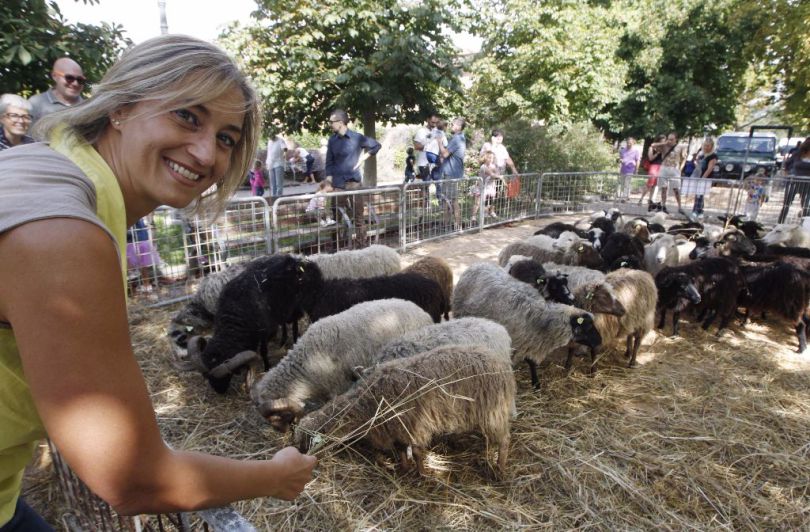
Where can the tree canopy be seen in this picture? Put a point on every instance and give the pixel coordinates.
(33, 34)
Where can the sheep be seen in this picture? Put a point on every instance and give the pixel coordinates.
(781, 288)
(637, 294)
(323, 362)
(197, 316)
(325, 297)
(732, 244)
(372, 261)
(788, 235)
(638, 229)
(407, 402)
(605, 224)
(663, 251)
(463, 331)
(580, 254)
(564, 241)
(437, 269)
(555, 229)
(676, 290)
(251, 307)
(552, 287)
(619, 245)
(537, 328)
(765, 250)
(625, 261)
(750, 228)
(577, 275)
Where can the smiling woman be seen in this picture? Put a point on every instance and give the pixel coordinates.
(171, 118)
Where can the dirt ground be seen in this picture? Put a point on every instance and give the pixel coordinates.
(707, 433)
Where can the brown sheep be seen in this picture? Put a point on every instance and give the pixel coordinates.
(448, 390)
(436, 269)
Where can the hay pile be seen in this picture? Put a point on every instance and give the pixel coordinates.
(705, 433)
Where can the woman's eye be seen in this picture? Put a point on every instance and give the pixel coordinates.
(187, 116)
(227, 140)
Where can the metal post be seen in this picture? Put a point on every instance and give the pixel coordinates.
(164, 25)
(403, 218)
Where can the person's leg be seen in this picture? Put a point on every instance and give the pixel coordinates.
(677, 192)
(790, 193)
(25, 519)
(804, 194)
(278, 181)
(358, 202)
(664, 196)
(436, 177)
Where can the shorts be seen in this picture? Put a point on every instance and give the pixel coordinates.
(433, 158)
(423, 172)
(142, 255)
(669, 176)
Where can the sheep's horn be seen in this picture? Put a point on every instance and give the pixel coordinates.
(232, 364)
(195, 354)
(272, 406)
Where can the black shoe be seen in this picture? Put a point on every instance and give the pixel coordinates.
(664, 210)
(651, 207)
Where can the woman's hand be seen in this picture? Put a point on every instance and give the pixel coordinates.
(294, 472)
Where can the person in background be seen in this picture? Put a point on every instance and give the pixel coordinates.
(801, 183)
(420, 141)
(15, 118)
(438, 141)
(489, 174)
(142, 256)
(171, 118)
(629, 157)
(257, 180)
(346, 151)
(453, 168)
(410, 175)
(304, 160)
(673, 158)
(755, 187)
(790, 159)
(654, 156)
(502, 161)
(68, 84)
(704, 169)
(316, 208)
(276, 157)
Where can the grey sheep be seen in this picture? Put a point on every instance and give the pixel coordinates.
(436, 269)
(582, 254)
(537, 327)
(372, 261)
(464, 331)
(448, 390)
(325, 360)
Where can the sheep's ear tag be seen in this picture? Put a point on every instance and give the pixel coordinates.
(301, 268)
(581, 249)
(541, 281)
(589, 295)
(623, 264)
(580, 320)
(315, 443)
(189, 328)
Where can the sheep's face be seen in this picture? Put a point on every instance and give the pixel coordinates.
(779, 234)
(587, 256)
(596, 236)
(556, 289)
(735, 244)
(603, 300)
(684, 287)
(584, 331)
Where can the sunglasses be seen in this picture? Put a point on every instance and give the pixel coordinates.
(70, 79)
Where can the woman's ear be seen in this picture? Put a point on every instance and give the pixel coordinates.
(117, 118)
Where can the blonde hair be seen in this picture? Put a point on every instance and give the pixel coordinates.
(709, 140)
(175, 71)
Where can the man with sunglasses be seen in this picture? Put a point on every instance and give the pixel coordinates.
(69, 82)
(15, 118)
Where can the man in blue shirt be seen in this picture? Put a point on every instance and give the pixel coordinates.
(453, 167)
(345, 152)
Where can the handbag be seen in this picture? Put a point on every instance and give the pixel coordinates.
(513, 188)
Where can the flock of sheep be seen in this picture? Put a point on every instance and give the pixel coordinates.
(377, 362)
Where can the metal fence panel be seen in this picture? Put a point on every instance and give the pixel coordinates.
(434, 209)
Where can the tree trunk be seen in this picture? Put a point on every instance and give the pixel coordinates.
(370, 168)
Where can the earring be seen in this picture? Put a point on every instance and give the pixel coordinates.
(116, 122)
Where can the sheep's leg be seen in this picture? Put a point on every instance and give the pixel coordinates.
(628, 351)
(662, 319)
(283, 340)
(712, 315)
(503, 454)
(533, 371)
(263, 351)
(592, 370)
(724, 321)
(801, 332)
(402, 453)
(636, 336)
(419, 458)
(702, 315)
(295, 330)
(676, 316)
(745, 317)
(569, 360)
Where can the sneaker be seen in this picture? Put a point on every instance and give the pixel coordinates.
(494, 215)
(329, 221)
(322, 223)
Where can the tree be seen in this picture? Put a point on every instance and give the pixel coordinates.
(552, 61)
(33, 34)
(380, 60)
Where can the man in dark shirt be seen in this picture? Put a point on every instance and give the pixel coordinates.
(345, 152)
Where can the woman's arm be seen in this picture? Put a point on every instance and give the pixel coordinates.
(62, 292)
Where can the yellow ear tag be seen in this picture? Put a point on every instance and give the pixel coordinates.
(580, 321)
(581, 249)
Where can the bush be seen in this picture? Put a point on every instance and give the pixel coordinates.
(578, 147)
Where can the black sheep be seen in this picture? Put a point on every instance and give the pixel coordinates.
(626, 261)
(676, 291)
(732, 244)
(655, 228)
(620, 245)
(764, 249)
(555, 229)
(551, 287)
(750, 228)
(325, 297)
(605, 224)
(780, 288)
(251, 308)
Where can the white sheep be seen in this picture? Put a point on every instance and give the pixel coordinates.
(372, 261)
(325, 361)
(661, 252)
(788, 235)
(537, 327)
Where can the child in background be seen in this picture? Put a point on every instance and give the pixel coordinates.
(489, 174)
(409, 162)
(756, 195)
(257, 182)
(316, 208)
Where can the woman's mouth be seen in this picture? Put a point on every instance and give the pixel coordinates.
(183, 171)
